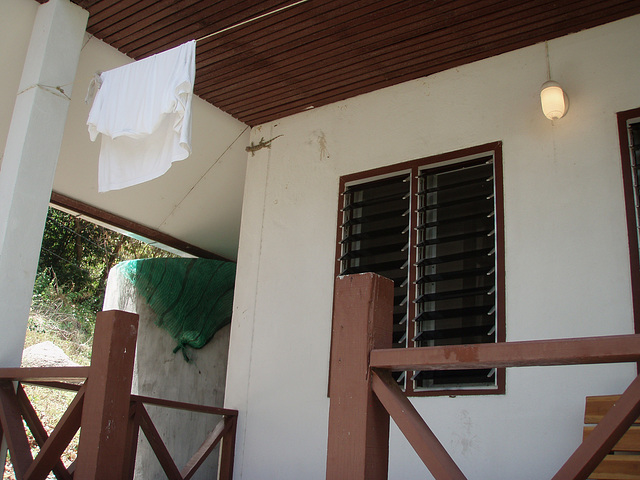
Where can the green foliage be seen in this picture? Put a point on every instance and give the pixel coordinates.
(55, 310)
(74, 264)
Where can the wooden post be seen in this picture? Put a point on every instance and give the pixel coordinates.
(358, 445)
(228, 448)
(103, 435)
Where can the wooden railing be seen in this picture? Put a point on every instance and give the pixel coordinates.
(108, 416)
(363, 394)
(224, 431)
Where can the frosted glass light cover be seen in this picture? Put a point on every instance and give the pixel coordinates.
(554, 101)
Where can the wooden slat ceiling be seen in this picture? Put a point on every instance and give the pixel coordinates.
(321, 51)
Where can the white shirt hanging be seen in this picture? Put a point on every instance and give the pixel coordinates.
(143, 111)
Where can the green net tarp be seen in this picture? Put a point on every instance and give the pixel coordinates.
(192, 298)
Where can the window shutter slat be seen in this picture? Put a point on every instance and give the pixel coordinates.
(476, 310)
(450, 202)
(379, 234)
(456, 377)
(479, 333)
(375, 201)
(377, 217)
(381, 250)
(482, 167)
(455, 274)
(379, 268)
(432, 297)
(487, 212)
(377, 184)
(465, 183)
(482, 252)
(452, 238)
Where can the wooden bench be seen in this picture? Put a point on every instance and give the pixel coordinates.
(623, 463)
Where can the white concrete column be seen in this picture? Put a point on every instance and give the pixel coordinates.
(29, 161)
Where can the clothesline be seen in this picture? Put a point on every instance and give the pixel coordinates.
(250, 20)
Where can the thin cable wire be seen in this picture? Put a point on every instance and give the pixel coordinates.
(202, 177)
(251, 20)
(73, 232)
(75, 265)
(546, 46)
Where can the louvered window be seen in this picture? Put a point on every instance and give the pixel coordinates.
(629, 136)
(431, 227)
(456, 265)
(634, 147)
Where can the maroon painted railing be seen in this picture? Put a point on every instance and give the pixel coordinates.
(363, 394)
(108, 416)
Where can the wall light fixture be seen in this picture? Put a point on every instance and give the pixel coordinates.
(555, 102)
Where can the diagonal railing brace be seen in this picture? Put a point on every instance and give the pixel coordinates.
(205, 449)
(56, 443)
(606, 434)
(38, 431)
(158, 446)
(414, 428)
(13, 429)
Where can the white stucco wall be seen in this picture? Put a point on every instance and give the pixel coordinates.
(567, 272)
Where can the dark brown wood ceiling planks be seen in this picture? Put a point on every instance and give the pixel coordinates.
(319, 52)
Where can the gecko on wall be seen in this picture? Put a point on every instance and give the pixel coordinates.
(260, 145)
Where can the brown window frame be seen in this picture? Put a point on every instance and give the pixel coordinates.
(624, 120)
(413, 166)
